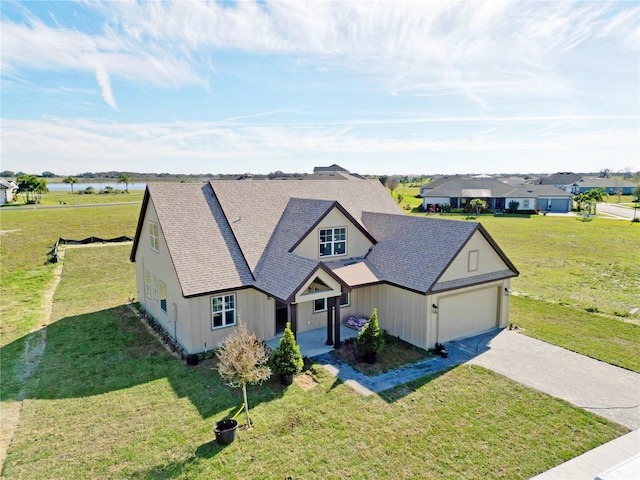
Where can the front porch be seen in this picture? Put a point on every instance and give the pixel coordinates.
(313, 342)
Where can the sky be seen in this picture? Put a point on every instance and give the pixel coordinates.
(390, 87)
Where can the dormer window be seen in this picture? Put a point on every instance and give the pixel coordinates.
(333, 242)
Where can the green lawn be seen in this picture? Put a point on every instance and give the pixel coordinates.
(109, 402)
(587, 265)
(610, 340)
(68, 198)
(27, 237)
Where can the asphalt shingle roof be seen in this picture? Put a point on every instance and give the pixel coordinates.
(205, 254)
(413, 252)
(226, 234)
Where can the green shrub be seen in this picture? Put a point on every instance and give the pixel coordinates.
(286, 358)
(371, 338)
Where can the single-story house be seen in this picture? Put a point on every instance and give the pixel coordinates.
(560, 179)
(459, 191)
(8, 191)
(211, 256)
(610, 185)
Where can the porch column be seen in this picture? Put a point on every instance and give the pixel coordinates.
(293, 318)
(330, 304)
(336, 320)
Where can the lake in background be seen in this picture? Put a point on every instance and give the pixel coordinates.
(77, 187)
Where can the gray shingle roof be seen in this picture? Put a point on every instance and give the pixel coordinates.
(201, 245)
(604, 183)
(413, 252)
(226, 235)
(560, 178)
(254, 208)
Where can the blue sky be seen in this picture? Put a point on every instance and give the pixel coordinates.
(377, 87)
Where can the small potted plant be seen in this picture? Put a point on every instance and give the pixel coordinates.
(371, 339)
(286, 359)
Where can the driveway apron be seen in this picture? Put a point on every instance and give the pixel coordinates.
(606, 390)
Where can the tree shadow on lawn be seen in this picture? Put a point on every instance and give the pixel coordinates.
(110, 350)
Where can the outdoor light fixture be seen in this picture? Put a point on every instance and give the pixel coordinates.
(506, 291)
(435, 308)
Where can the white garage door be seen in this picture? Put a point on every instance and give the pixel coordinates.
(467, 314)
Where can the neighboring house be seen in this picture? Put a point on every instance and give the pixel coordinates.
(560, 179)
(8, 191)
(209, 257)
(330, 168)
(610, 185)
(459, 191)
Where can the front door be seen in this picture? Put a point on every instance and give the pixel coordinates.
(282, 316)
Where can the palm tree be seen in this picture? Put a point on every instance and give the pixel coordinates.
(596, 196)
(70, 180)
(125, 178)
(478, 204)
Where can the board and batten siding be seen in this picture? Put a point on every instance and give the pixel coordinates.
(357, 243)
(488, 260)
(159, 265)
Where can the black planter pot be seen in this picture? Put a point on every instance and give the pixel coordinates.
(226, 431)
(286, 379)
(444, 353)
(370, 358)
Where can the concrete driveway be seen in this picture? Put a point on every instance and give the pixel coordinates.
(609, 391)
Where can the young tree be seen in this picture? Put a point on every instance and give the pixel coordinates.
(478, 204)
(70, 180)
(286, 359)
(371, 338)
(125, 178)
(392, 184)
(243, 360)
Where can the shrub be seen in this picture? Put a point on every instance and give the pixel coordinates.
(513, 206)
(286, 359)
(371, 338)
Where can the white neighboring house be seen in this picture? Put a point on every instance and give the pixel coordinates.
(8, 191)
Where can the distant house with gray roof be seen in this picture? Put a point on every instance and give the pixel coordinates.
(459, 191)
(211, 257)
(560, 179)
(610, 185)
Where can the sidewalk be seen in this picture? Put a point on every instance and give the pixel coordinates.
(591, 464)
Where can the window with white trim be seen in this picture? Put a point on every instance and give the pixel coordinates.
(155, 287)
(147, 283)
(223, 311)
(525, 204)
(333, 242)
(154, 236)
(345, 299)
(163, 297)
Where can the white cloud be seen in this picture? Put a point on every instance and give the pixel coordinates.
(478, 45)
(189, 147)
(103, 80)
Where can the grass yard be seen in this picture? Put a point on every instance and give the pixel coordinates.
(68, 198)
(605, 339)
(588, 265)
(27, 236)
(109, 402)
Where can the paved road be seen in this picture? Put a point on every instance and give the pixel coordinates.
(609, 391)
(618, 211)
(48, 207)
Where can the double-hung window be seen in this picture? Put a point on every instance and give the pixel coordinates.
(223, 311)
(155, 288)
(333, 241)
(154, 236)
